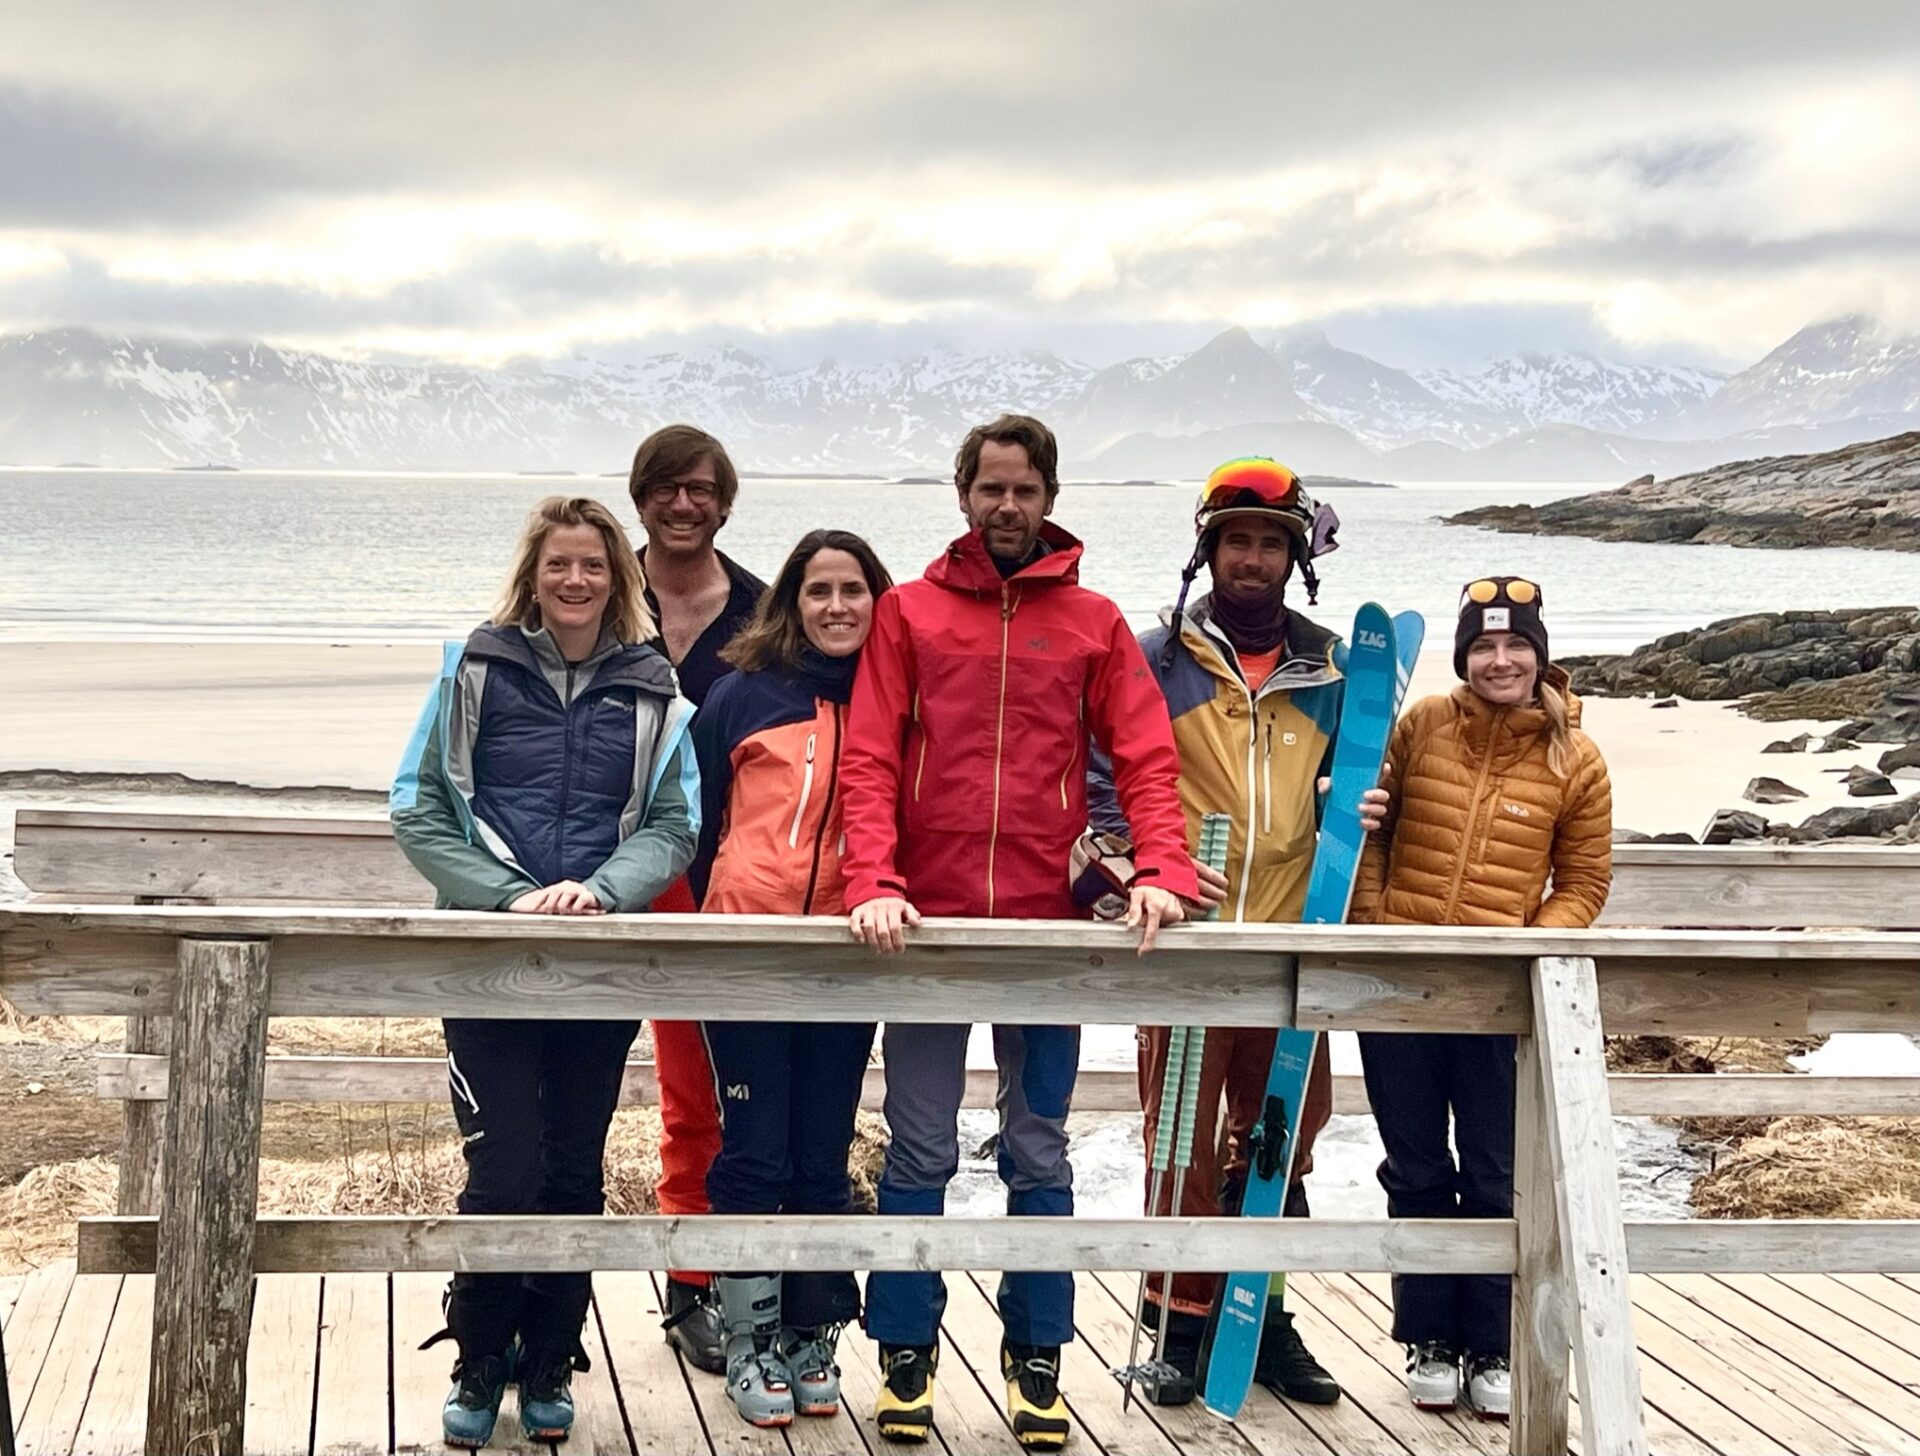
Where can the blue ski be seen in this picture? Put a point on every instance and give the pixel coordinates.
(1380, 659)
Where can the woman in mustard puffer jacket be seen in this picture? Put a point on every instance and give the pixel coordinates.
(1501, 814)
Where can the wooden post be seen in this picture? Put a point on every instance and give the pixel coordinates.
(1540, 1292)
(197, 1398)
(143, 1125)
(1593, 1240)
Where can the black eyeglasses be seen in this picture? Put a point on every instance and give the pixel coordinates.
(698, 491)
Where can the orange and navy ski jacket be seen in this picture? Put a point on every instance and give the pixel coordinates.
(966, 754)
(769, 745)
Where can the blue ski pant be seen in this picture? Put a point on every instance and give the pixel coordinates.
(926, 1079)
(1416, 1082)
(788, 1092)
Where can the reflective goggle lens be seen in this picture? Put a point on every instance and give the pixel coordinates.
(1522, 591)
(1483, 591)
(1518, 589)
(1268, 480)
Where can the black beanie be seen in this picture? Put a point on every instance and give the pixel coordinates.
(1499, 604)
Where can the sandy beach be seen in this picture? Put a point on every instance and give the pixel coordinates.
(283, 716)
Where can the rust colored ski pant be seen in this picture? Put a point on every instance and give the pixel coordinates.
(689, 1107)
(1233, 1084)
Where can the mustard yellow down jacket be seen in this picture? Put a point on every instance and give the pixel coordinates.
(1479, 826)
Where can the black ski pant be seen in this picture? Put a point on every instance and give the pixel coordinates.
(1414, 1082)
(533, 1100)
(788, 1093)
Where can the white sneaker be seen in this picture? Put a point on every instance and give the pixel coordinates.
(1489, 1387)
(1433, 1376)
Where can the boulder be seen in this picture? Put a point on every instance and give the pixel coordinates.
(1837, 744)
(1631, 836)
(1847, 822)
(1907, 755)
(1728, 825)
(1667, 703)
(1796, 744)
(1764, 790)
(1870, 785)
(1674, 836)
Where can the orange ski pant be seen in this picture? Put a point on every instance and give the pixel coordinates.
(689, 1111)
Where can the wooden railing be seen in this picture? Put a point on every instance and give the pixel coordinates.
(218, 974)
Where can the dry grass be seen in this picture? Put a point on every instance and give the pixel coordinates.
(396, 1174)
(1818, 1167)
(1706, 1054)
(17, 1027)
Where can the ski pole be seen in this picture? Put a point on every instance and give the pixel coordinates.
(1170, 1081)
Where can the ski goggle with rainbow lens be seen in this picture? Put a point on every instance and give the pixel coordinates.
(1513, 590)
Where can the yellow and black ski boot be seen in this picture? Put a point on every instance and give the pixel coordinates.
(1034, 1406)
(904, 1410)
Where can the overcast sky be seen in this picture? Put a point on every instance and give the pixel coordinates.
(1434, 181)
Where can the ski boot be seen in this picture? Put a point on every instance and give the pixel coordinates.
(546, 1392)
(809, 1358)
(758, 1382)
(693, 1326)
(1034, 1407)
(1433, 1375)
(904, 1410)
(1489, 1386)
(473, 1405)
(1285, 1365)
(1173, 1379)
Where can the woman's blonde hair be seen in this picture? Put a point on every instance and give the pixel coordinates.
(1559, 727)
(627, 615)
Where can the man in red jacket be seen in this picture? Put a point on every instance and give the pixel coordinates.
(964, 770)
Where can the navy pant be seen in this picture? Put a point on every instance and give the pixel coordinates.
(788, 1093)
(533, 1100)
(1414, 1083)
(926, 1081)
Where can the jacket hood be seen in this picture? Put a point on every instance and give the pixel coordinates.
(1312, 653)
(966, 565)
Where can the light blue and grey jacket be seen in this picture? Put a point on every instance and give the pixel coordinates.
(525, 770)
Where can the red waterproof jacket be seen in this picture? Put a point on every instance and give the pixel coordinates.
(965, 764)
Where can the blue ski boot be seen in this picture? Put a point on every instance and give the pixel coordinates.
(473, 1405)
(546, 1391)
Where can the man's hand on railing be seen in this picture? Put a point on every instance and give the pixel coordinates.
(881, 923)
(1213, 888)
(568, 897)
(1150, 907)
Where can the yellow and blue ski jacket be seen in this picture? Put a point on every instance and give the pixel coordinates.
(1256, 756)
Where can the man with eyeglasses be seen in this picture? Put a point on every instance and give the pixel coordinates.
(683, 484)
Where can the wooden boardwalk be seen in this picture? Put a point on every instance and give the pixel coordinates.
(1739, 1365)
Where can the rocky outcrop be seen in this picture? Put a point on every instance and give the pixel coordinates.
(1859, 664)
(1864, 495)
(1896, 823)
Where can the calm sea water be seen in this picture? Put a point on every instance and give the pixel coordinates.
(97, 554)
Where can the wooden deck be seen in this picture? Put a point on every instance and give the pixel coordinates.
(1748, 1364)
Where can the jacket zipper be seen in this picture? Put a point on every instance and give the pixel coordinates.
(826, 815)
(1073, 752)
(1266, 804)
(999, 735)
(1479, 788)
(806, 792)
(921, 770)
(566, 772)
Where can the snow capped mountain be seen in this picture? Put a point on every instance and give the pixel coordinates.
(1529, 390)
(74, 395)
(1845, 368)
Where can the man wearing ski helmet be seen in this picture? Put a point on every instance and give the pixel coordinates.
(1254, 691)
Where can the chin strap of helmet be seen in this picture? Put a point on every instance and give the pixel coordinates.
(1187, 574)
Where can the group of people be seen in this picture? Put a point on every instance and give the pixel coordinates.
(661, 730)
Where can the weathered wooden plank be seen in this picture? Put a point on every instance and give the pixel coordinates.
(537, 1244)
(1593, 1253)
(653, 1389)
(282, 1357)
(246, 858)
(1750, 1341)
(1890, 1294)
(31, 1326)
(1542, 1289)
(351, 1409)
(1866, 1344)
(353, 1080)
(424, 1079)
(143, 1128)
(197, 1396)
(1269, 1425)
(50, 1418)
(860, 1389)
(216, 857)
(1788, 1246)
(115, 1422)
(598, 1427)
(420, 1377)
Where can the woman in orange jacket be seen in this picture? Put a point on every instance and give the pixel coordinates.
(1500, 814)
(768, 739)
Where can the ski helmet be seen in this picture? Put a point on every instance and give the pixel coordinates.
(1257, 485)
